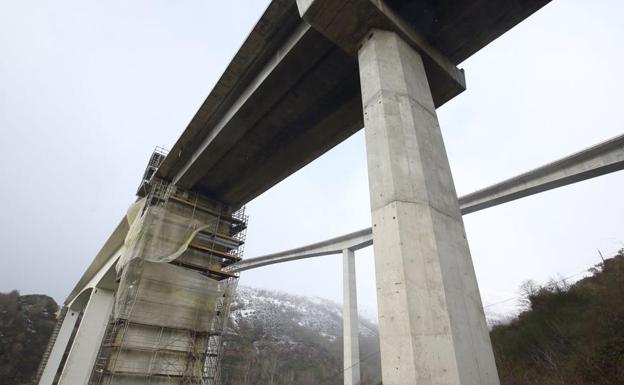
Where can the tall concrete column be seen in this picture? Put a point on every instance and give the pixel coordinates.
(88, 338)
(350, 320)
(59, 347)
(431, 320)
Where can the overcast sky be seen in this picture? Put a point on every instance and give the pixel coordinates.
(89, 88)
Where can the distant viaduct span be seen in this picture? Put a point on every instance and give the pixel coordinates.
(309, 75)
(597, 160)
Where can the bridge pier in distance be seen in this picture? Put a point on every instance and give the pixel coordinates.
(431, 320)
(350, 320)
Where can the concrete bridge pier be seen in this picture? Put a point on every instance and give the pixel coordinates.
(84, 349)
(350, 320)
(59, 347)
(431, 320)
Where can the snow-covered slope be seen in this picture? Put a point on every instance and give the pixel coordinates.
(277, 338)
(275, 309)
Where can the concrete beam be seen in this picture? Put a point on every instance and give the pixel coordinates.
(300, 103)
(290, 94)
(59, 347)
(603, 158)
(86, 345)
(348, 23)
(351, 241)
(253, 98)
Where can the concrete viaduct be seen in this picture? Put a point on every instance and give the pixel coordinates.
(310, 74)
(597, 160)
(99, 279)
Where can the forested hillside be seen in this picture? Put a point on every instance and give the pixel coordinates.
(570, 335)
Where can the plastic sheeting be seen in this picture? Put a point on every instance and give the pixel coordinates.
(160, 233)
(167, 318)
(170, 296)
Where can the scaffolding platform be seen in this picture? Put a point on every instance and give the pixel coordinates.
(173, 299)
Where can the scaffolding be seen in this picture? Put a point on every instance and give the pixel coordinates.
(173, 300)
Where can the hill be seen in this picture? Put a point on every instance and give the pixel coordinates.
(26, 323)
(277, 338)
(570, 334)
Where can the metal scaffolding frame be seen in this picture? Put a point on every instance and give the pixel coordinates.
(170, 313)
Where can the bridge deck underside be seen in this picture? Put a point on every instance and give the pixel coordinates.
(289, 94)
(460, 28)
(301, 116)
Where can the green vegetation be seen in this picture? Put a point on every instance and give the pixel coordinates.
(572, 335)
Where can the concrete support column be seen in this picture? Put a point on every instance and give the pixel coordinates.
(59, 347)
(88, 338)
(431, 320)
(350, 320)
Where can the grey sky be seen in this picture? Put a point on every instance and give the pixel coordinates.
(89, 88)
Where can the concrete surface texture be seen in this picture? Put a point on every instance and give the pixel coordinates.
(600, 159)
(431, 321)
(60, 344)
(86, 344)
